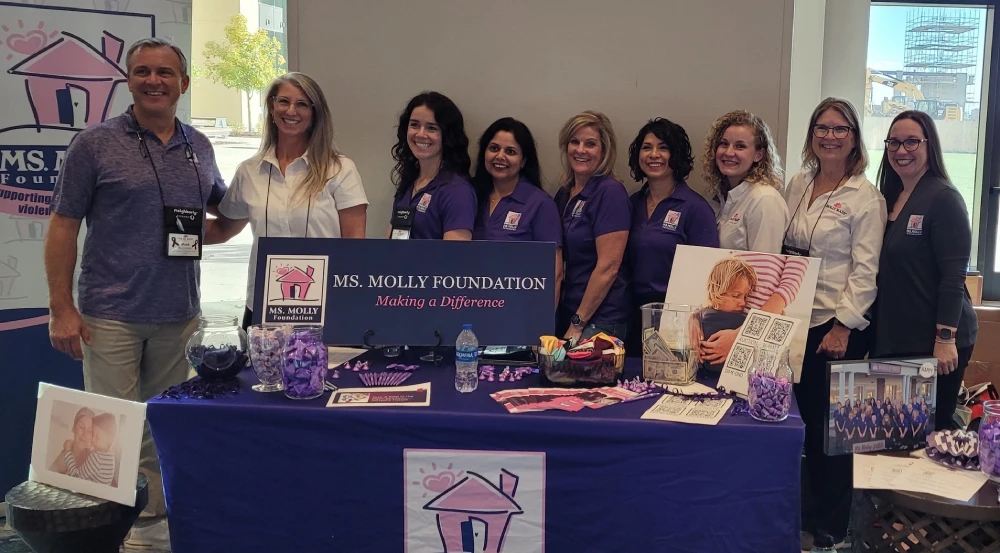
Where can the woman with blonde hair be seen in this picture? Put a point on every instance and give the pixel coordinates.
(298, 184)
(838, 216)
(743, 172)
(596, 216)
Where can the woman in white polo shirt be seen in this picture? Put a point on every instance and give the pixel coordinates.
(743, 172)
(297, 185)
(839, 217)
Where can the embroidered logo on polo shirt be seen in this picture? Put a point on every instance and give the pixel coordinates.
(837, 208)
(735, 218)
(672, 219)
(578, 208)
(424, 202)
(513, 218)
(915, 226)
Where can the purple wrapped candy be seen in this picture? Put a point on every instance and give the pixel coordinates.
(769, 396)
(989, 447)
(305, 363)
(267, 347)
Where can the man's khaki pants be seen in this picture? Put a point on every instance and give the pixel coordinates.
(137, 361)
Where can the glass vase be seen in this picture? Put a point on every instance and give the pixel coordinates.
(304, 365)
(769, 385)
(989, 440)
(267, 348)
(218, 349)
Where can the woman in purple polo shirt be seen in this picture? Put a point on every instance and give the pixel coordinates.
(596, 216)
(434, 198)
(666, 213)
(508, 183)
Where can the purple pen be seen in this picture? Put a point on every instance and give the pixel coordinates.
(646, 395)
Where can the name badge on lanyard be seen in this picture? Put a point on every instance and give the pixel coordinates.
(792, 250)
(183, 231)
(402, 222)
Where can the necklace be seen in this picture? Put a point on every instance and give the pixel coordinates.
(496, 197)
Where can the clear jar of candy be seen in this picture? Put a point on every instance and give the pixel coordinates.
(989, 440)
(305, 362)
(267, 350)
(218, 349)
(769, 385)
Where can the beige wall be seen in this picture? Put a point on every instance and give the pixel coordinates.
(828, 58)
(541, 62)
(209, 99)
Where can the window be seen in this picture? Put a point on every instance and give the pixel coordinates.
(232, 122)
(931, 58)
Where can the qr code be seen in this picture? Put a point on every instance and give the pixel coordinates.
(755, 325)
(740, 357)
(703, 413)
(779, 331)
(670, 409)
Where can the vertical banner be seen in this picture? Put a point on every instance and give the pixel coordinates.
(62, 69)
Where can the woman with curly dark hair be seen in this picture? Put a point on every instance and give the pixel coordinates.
(434, 198)
(666, 213)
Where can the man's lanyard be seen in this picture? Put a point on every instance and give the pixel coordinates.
(188, 153)
(182, 224)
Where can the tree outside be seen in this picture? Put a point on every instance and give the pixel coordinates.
(246, 61)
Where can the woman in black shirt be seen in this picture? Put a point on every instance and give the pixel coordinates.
(923, 308)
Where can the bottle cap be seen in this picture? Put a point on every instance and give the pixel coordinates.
(467, 326)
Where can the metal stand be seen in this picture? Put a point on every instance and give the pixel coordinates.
(364, 340)
(433, 356)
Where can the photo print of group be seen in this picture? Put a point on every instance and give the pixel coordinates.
(880, 405)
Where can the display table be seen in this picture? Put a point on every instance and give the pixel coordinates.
(890, 520)
(260, 472)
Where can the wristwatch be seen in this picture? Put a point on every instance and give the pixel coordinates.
(836, 322)
(945, 334)
(577, 321)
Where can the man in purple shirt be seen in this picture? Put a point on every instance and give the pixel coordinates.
(447, 203)
(143, 181)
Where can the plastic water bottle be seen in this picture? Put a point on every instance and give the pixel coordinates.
(466, 360)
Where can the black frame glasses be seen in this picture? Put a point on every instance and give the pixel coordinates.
(910, 144)
(840, 131)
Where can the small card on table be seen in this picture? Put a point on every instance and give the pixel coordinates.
(416, 395)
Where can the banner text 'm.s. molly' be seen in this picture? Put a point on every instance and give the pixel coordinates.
(446, 282)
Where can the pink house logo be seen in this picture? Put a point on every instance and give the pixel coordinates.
(295, 283)
(474, 514)
(70, 83)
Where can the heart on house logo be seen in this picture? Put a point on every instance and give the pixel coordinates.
(458, 501)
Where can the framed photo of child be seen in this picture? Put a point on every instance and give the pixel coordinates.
(724, 285)
(87, 443)
(880, 405)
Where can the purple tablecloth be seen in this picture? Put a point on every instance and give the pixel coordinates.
(260, 472)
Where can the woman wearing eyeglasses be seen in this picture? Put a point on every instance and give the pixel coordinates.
(839, 217)
(298, 184)
(923, 307)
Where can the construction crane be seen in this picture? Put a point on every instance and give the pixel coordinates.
(906, 96)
